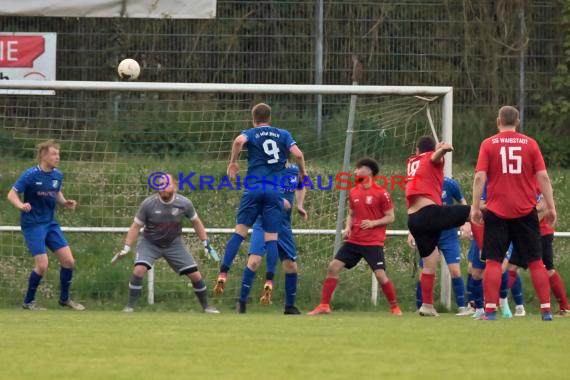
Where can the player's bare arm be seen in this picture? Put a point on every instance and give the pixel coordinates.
(132, 236)
(347, 231)
(200, 229)
(300, 198)
(546, 190)
(478, 185)
(14, 199)
(233, 167)
(440, 150)
(68, 203)
(388, 218)
(296, 152)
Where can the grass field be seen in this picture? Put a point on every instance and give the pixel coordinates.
(173, 345)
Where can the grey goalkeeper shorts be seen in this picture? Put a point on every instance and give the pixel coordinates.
(176, 255)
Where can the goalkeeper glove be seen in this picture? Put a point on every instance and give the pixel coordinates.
(210, 250)
(122, 253)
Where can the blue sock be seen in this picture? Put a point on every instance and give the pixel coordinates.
(517, 291)
(290, 288)
(271, 264)
(477, 292)
(33, 283)
(232, 249)
(469, 286)
(246, 282)
(65, 276)
(504, 292)
(419, 300)
(459, 291)
(272, 251)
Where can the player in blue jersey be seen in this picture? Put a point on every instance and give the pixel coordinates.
(41, 186)
(449, 245)
(268, 148)
(287, 248)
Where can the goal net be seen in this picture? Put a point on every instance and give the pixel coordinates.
(113, 136)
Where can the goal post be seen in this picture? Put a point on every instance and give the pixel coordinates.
(117, 132)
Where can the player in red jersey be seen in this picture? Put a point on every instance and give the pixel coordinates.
(371, 210)
(512, 163)
(427, 218)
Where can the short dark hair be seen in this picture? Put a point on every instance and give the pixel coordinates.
(426, 144)
(508, 115)
(370, 163)
(261, 113)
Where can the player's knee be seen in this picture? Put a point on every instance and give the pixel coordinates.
(381, 276)
(290, 266)
(241, 229)
(253, 262)
(195, 276)
(551, 272)
(477, 274)
(140, 270)
(455, 272)
(41, 268)
(334, 268)
(68, 262)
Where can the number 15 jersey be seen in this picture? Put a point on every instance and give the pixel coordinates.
(267, 151)
(511, 161)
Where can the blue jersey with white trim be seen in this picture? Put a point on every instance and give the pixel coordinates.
(40, 191)
(451, 192)
(267, 151)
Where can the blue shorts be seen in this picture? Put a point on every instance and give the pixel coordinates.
(43, 236)
(474, 256)
(450, 249)
(285, 243)
(267, 203)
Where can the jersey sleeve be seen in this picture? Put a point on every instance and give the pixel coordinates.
(141, 216)
(289, 140)
(246, 133)
(386, 201)
(456, 191)
(538, 163)
(483, 159)
(23, 182)
(190, 211)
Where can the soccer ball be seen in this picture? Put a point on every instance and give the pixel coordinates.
(129, 69)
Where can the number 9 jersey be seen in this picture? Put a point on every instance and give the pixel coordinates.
(511, 161)
(267, 151)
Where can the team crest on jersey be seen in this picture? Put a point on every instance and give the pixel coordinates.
(444, 194)
(54, 183)
(369, 199)
(175, 211)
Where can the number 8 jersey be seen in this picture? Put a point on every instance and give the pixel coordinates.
(511, 161)
(267, 151)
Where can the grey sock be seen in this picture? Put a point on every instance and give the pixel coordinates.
(135, 290)
(201, 292)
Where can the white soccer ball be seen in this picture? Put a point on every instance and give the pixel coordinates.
(129, 69)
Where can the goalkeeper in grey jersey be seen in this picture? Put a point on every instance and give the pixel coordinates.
(161, 215)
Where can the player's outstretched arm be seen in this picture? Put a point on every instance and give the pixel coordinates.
(546, 190)
(132, 235)
(233, 167)
(14, 198)
(440, 150)
(203, 236)
(296, 152)
(348, 224)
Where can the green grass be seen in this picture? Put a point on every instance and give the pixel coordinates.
(174, 345)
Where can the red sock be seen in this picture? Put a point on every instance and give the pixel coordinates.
(477, 230)
(328, 288)
(539, 278)
(512, 278)
(492, 284)
(427, 281)
(559, 291)
(389, 292)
